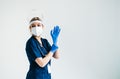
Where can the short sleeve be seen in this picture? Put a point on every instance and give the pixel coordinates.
(33, 50)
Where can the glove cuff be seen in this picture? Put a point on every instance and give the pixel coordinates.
(54, 48)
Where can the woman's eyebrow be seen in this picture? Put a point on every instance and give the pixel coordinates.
(33, 24)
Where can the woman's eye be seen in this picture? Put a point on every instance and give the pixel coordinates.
(39, 25)
(33, 26)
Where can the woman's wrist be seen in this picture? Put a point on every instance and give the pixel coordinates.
(53, 48)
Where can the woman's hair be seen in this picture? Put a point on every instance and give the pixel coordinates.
(35, 18)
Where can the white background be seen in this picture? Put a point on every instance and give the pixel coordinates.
(89, 41)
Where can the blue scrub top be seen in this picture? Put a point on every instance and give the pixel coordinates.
(35, 50)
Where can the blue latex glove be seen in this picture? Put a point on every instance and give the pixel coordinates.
(53, 48)
(54, 34)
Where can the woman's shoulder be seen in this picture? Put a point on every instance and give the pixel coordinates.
(30, 40)
(44, 39)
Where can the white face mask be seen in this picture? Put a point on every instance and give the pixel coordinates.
(37, 31)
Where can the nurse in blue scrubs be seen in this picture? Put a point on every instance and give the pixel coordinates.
(39, 51)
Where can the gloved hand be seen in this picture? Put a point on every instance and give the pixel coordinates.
(53, 48)
(54, 34)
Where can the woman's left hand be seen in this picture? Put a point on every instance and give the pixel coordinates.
(54, 34)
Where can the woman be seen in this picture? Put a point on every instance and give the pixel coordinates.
(39, 51)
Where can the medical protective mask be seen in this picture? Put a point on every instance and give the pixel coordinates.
(37, 31)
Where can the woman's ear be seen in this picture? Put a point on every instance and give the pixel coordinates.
(30, 28)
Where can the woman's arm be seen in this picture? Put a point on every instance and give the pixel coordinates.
(43, 61)
(56, 55)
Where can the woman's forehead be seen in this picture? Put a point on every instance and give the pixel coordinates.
(36, 23)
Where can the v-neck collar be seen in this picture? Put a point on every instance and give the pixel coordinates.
(41, 45)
